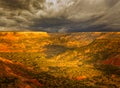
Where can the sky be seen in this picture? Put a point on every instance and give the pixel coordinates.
(59, 15)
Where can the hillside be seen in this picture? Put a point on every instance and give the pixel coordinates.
(14, 75)
(40, 59)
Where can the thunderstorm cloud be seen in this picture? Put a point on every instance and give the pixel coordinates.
(59, 15)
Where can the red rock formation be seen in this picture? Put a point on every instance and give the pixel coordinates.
(113, 61)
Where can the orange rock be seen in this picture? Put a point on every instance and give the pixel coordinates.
(80, 77)
(113, 61)
(34, 81)
(113, 76)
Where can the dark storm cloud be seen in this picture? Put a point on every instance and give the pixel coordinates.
(56, 15)
(20, 4)
(18, 14)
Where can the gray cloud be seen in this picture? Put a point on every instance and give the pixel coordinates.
(56, 15)
(111, 2)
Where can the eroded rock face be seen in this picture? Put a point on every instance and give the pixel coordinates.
(114, 60)
(14, 75)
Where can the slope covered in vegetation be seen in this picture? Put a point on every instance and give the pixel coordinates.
(60, 60)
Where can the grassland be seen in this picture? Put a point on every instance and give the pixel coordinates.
(67, 60)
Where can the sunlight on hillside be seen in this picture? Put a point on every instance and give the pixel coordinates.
(21, 41)
(40, 59)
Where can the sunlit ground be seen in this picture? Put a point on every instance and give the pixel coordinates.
(59, 60)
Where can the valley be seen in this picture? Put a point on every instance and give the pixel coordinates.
(59, 60)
